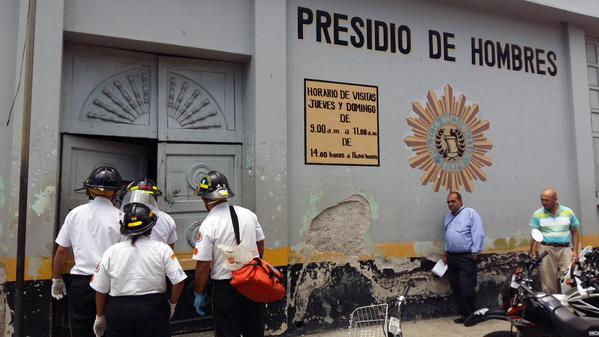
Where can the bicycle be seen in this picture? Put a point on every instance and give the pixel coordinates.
(374, 321)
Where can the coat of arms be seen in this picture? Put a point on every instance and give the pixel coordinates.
(449, 142)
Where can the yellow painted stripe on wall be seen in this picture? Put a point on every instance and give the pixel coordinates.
(42, 267)
(590, 240)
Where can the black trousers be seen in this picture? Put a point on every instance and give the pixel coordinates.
(82, 306)
(462, 271)
(137, 316)
(234, 314)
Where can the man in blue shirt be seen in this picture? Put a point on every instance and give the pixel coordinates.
(464, 238)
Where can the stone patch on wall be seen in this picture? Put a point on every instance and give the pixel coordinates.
(341, 228)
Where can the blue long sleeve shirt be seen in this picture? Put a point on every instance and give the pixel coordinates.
(464, 233)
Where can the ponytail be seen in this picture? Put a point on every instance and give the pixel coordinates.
(136, 237)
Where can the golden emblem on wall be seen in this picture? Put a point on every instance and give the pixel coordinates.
(449, 142)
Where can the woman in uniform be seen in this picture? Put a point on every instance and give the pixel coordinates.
(133, 275)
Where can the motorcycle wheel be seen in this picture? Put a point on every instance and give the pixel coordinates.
(501, 334)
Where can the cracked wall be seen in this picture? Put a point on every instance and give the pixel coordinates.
(6, 328)
(339, 271)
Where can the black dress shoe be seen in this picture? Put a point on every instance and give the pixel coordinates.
(459, 320)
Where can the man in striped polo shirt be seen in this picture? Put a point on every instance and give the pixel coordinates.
(559, 226)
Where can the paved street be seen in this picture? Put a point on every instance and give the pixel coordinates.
(444, 327)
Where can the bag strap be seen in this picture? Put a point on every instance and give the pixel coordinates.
(235, 221)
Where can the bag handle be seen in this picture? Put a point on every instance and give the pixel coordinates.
(235, 221)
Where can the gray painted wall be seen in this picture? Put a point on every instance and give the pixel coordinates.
(515, 103)
(209, 25)
(11, 59)
(531, 126)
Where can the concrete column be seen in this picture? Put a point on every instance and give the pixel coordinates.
(44, 154)
(581, 116)
(268, 70)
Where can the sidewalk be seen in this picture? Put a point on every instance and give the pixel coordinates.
(444, 327)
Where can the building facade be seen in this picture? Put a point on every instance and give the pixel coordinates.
(342, 124)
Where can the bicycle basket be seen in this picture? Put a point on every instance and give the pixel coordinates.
(369, 321)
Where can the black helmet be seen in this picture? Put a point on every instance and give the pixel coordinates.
(137, 219)
(148, 185)
(102, 178)
(214, 186)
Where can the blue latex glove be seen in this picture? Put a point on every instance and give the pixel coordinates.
(198, 303)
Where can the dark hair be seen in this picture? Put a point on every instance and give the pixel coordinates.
(136, 237)
(457, 194)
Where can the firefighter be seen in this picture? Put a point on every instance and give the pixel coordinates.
(234, 314)
(133, 273)
(165, 229)
(88, 230)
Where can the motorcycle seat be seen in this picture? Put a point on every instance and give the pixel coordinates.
(568, 324)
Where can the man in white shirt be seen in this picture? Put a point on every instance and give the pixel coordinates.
(88, 230)
(234, 314)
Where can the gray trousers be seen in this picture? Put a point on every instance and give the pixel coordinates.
(554, 266)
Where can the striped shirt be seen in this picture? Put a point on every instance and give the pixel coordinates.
(555, 229)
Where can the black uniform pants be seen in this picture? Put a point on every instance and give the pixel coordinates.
(137, 316)
(235, 314)
(462, 271)
(82, 306)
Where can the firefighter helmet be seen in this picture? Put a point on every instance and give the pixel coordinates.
(103, 178)
(146, 184)
(137, 219)
(214, 186)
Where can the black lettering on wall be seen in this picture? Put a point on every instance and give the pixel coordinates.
(516, 58)
(540, 57)
(357, 40)
(392, 38)
(503, 56)
(304, 17)
(447, 46)
(434, 44)
(323, 22)
(380, 38)
(404, 39)
(528, 58)
(476, 48)
(551, 58)
(489, 53)
(337, 29)
(368, 33)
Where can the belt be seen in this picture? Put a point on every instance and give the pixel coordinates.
(77, 276)
(552, 244)
(221, 281)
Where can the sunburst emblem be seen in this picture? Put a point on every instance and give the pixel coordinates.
(449, 142)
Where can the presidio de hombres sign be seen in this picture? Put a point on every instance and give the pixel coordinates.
(341, 123)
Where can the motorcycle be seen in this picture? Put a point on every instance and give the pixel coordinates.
(534, 314)
(580, 286)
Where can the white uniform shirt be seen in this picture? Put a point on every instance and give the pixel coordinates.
(90, 229)
(127, 270)
(218, 228)
(165, 229)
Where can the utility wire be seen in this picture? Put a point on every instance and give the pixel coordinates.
(12, 105)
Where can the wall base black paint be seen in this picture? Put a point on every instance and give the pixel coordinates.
(348, 288)
(36, 307)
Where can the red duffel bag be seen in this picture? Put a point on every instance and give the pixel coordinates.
(259, 281)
